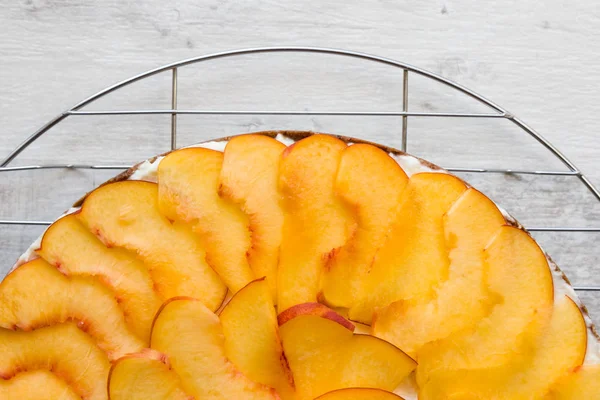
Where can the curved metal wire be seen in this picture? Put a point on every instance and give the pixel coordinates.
(498, 112)
(406, 67)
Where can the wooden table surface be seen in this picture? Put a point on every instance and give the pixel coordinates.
(537, 59)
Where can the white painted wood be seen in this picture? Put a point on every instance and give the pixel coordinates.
(537, 59)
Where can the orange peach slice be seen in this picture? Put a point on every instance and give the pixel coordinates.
(316, 220)
(144, 376)
(188, 183)
(74, 250)
(70, 354)
(414, 259)
(559, 348)
(371, 183)
(126, 214)
(249, 178)
(517, 274)
(325, 356)
(252, 338)
(192, 337)
(317, 309)
(36, 295)
(581, 383)
(36, 385)
(359, 394)
(462, 300)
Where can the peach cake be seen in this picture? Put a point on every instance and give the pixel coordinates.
(290, 265)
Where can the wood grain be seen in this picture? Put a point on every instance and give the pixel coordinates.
(537, 59)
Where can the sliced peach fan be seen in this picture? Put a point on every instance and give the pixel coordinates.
(313, 271)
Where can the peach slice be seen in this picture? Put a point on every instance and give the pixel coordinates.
(192, 337)
(519, 279)
(462, 300)
(314, 309)
(252, 338)
(36, 295)
(414, 259)
(249, 178)
(144, 376)
(559, 348)
(371, 183)
(359, 394)
(316, 221)
(126, 214)
(36, 385)
(188, 183)
(581, 383)
(70, 354)
(74, 250)
(324, 356)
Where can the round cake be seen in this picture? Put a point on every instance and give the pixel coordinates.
(291, 265)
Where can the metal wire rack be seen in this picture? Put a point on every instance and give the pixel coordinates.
(404, 114)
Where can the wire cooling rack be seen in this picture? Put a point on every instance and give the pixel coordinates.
(406, 71)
